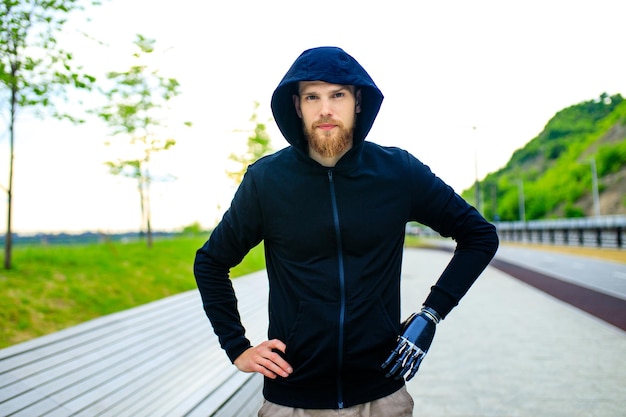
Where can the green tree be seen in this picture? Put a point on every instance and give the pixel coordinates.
(258, 145)
(194, 229)
(137, 100)
(34, 71)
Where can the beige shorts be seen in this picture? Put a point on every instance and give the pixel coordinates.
(398, 404)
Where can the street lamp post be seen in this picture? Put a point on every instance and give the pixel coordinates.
(476, 183)
(521, 202)
(594, 185)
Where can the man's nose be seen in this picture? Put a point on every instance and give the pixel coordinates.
(326, 108)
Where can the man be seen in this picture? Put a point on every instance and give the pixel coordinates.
(332, 210)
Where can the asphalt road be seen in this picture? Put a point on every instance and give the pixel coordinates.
(598, 275)
(595, 286)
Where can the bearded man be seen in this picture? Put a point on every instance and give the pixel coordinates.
(332, 209)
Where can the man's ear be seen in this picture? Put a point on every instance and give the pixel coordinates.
(296, 103)
(358, 102)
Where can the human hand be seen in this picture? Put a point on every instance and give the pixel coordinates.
(264, 360)
(417, 335)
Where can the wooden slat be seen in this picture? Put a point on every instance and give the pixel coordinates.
(57, 341)
(70, 368)
(247, 400)
(160, 359)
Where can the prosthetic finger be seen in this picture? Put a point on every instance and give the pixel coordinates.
(392, 356)
(413, 353)
(416, 365)
(397, 365)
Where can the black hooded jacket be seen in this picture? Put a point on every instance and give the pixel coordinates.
(333, 242)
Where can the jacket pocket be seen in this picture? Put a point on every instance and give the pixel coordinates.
(313, 341)
(370, 336)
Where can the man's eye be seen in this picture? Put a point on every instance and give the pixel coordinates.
(338, 95)
(310, 98)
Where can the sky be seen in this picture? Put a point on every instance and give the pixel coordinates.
(466, 83)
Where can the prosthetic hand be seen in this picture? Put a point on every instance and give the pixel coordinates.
(418, 332)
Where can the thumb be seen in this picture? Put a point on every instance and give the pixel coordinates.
(277, 345)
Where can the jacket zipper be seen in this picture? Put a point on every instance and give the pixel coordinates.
(342, 291)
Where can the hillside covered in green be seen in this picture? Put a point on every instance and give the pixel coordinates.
(553, 172)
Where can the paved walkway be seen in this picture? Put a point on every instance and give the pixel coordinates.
(508, 349)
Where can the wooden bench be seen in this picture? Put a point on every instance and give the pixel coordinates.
(159, 359)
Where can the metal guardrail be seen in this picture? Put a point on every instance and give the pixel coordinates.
(600, 231)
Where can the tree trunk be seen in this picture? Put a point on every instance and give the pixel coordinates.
(148, 213)
(8, 242)
(141, 204)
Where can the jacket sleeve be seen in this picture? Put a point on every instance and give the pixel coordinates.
(237, 233)
(435, 204)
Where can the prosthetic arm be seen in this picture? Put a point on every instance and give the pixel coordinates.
(417, 334)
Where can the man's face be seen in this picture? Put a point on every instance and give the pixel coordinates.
(328, 113)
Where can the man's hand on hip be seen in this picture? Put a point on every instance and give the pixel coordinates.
(264, 360)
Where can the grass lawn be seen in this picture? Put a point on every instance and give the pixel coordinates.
(56, 286)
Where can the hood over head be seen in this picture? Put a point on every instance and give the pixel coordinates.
(332, 65)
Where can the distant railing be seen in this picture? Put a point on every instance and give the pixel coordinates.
(79, 238)
(601, 231)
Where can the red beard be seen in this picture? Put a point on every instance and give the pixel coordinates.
(329, 143)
